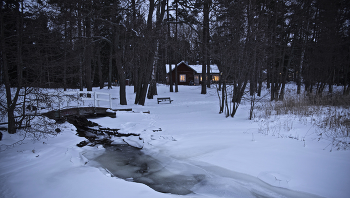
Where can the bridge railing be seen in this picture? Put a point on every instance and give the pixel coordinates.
(93, 96)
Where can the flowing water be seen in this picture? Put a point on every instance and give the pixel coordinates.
(168, 175)
(129, 163)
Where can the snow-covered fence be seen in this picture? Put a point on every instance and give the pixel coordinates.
(96, 97)
(67, 99)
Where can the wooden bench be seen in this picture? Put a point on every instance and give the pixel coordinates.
(164, 99)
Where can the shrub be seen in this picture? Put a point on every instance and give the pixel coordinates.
(329, 114)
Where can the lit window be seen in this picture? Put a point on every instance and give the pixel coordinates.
(182, 77)
(205, 78)
(215, 78)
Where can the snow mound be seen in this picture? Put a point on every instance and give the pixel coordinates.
(134, 141)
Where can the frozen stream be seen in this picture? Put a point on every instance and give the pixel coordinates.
(193, 178)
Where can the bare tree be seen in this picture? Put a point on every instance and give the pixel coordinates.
(12, 99)
(159, 22)
(145, 75)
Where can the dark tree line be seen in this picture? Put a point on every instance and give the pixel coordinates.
(276, 42)
(85, 43)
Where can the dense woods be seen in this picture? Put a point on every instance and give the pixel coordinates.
(81, 44)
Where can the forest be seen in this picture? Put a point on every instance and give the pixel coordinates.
(93, 43)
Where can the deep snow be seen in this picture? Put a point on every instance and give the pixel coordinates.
(193, 133)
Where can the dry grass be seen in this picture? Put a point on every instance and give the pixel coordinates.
(330, 115)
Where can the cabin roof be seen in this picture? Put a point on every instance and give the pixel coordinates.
(197, 68)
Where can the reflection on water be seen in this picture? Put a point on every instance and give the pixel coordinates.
(167, 175)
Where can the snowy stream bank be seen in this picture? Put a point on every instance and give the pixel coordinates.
(168, 175)
(185, 140)
(128, 161)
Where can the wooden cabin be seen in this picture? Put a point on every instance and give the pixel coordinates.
(191, 74)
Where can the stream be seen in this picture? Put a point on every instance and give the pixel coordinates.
(129, 163)
(165, 174)
(194, 178)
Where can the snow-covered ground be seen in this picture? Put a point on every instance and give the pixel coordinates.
(237, 159)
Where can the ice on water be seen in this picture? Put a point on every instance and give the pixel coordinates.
(169, 175)
(131, 164)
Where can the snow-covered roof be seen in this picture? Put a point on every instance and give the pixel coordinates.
(198, 68)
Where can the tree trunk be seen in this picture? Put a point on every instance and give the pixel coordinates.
(147, 69)
(137, 87)
(110, 66)
(11, 102)
(136, 80)
(167, 50)
(284, 78)
(176, 77)
(88, 54)
(99, 65)
(65, 56)
(153, 85)
(346, 77)
(205, 47)
(223, 93)
(160, 15)
(80, 44)
(204, 87)
(176, 51)
(10, 109)
(273, 73)
(121, 72)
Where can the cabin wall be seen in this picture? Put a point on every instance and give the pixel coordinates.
(188, 76)
(184, 75)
